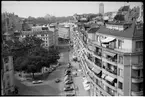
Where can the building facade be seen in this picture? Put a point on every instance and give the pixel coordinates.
(64, 32)
(46, 36)
(111, 58)
(7, 76)
(101, 8)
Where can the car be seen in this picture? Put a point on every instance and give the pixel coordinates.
(57, 80)
(37, 82)
(67, 71)
(70, 94)
(40, 81)
(68, 82)
(67, 77)
(68, 89)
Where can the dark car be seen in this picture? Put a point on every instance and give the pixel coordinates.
(68, 89)
(68, 72)
(57, 80)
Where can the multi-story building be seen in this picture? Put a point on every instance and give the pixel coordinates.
(7, 70)
(7, 76)
(46, 36)
(101, 8)
(112, 59)
(64, 32)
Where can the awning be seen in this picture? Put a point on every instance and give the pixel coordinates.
(96, 70)
(110, 54)
(103, 76)
(109, 78)
(108, 39)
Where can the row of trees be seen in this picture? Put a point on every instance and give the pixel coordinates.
(29, 56)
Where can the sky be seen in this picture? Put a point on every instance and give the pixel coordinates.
(59, 8)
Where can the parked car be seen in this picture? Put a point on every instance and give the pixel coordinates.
(67, 77)
(57, 80)
(68, 82)
(68, 72)
(70, 94)
(37, 82)
(68, 89)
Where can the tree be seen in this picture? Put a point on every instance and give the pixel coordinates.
(119, 17)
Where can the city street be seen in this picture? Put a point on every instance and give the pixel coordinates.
(79, 79)
(48, 87)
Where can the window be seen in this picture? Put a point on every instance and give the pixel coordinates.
(139, 45)
(9, 91)
(120, 72)
(7, 67)
(8, 84)
(140, 73)
(120, 85)
(7, 77)
(140, 59)
(6, 59)
(120, 59)
(120, 42)
(4, 84)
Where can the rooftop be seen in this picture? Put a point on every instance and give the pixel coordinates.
(130, 32)
(35, 32)
(93, 30)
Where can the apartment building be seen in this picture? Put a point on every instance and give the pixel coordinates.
(7, 76)
(46, 36)
(112, 58)
(64, 32)
(7, 70)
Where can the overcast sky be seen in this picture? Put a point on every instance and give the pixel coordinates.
(57, 8)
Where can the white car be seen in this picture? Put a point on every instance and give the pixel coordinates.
(37, 82)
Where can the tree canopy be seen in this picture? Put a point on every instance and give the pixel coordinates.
(30, 56)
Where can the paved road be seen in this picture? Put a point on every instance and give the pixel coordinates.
(49, 87)
(79, 79)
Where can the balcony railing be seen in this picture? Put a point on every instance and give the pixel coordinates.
(137, 79)
(109, 70)
(137, 93)
(112, 59)
(97, 53)
(98, 64)
(137, 66)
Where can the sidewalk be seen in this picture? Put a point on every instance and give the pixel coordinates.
(78, 80)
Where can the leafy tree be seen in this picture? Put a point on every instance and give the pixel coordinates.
(119, 17)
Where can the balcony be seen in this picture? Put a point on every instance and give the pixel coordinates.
(107, 72)
(137, 79)
(100, 88)
(111, 71)
(98, 64)
(137, 66)
(93, 63)
(139, 93)
(109, 81)
(93, 42)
